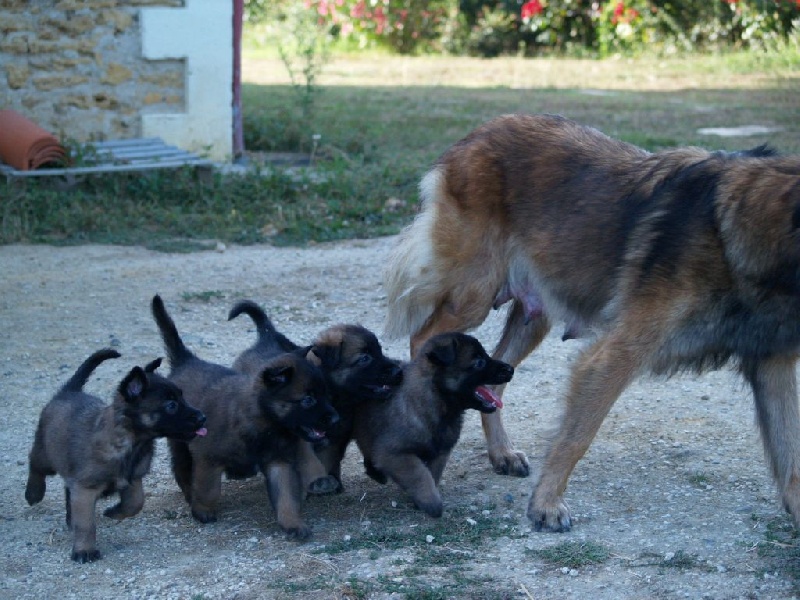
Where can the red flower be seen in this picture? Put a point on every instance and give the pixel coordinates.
(533, 8)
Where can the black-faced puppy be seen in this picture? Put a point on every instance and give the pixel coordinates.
(254, 421)
(409, 438)
(356, 371)
(100, 449)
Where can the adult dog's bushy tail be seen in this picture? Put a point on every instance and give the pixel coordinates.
(176, 349)
(82, 374)
(411, 279)
(266, 330)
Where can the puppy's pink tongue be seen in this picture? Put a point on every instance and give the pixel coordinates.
(201, 432)
(488, 396)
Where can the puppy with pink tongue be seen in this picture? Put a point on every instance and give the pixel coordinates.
(409, 437)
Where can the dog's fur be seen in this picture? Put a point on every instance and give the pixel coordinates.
(100, 449)
(356, 371)
(253, 421)
(409, 438)
(679, 259)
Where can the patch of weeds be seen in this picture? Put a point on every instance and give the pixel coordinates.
(573, 554)
(459, 586)
(461, 527)
(682, 560)
(442, 551)
(700, 480)
(781, 547)
(179, 246)
(677, 560)
(353, 589)
(206, 296)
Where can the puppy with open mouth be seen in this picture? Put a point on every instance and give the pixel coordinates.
(409, 437)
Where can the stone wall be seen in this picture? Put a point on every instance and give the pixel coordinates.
(75, 67)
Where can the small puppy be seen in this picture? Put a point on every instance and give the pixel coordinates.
(100, 449)
(409, 438)
(255, 422)
(356, 371)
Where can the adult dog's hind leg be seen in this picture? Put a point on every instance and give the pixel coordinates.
(518, 340)
(774, 385)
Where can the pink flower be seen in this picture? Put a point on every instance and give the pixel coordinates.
(531, 9)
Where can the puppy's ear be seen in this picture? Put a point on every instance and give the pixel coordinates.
(152, 365)
(328, 357)
(443, 355)
(134, 385)
(277, 376)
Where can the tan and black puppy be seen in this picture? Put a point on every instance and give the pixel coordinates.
(409, 438)
(100, 449)
(254, 421)
(679, 259)
(356, 371)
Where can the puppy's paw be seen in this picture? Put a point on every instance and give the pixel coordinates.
(85, 556)
(554, 519)
(301, 533)
(204, 516)
(115, 512)
(510, 462)
(325, 485)
(432, 507)
(34, 491)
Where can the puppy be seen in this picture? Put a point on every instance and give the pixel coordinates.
(409, 438)
(254, 422)
(356, 371)
(100, 449)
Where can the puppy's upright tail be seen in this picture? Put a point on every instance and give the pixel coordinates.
(266, 330)
(411, 280)
(176, 349)
(82, 374)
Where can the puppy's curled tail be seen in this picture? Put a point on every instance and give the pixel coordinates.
(411, 279)
(176, 350)
(82, 374)
(266, 330)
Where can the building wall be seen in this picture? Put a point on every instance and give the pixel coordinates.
(80, 69)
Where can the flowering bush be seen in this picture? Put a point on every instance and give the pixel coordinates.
(489, 28)
(560, 24)
(403, 25)
(625, 26)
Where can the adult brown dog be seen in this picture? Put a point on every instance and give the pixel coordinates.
(101, 449)
(410, 436)
(356, 371)
(679, 259)
(254, 422)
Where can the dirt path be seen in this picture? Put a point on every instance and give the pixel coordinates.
(673, 500)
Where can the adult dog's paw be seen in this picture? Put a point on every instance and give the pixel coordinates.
(510, 462)
(554, 519)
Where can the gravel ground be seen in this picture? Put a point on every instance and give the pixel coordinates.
(674, 490)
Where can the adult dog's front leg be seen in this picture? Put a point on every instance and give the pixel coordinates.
(597, 381)
(775, 390)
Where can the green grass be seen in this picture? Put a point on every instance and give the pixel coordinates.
(382, 122)
(781, 547)
(573, 555)
(443, 552)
